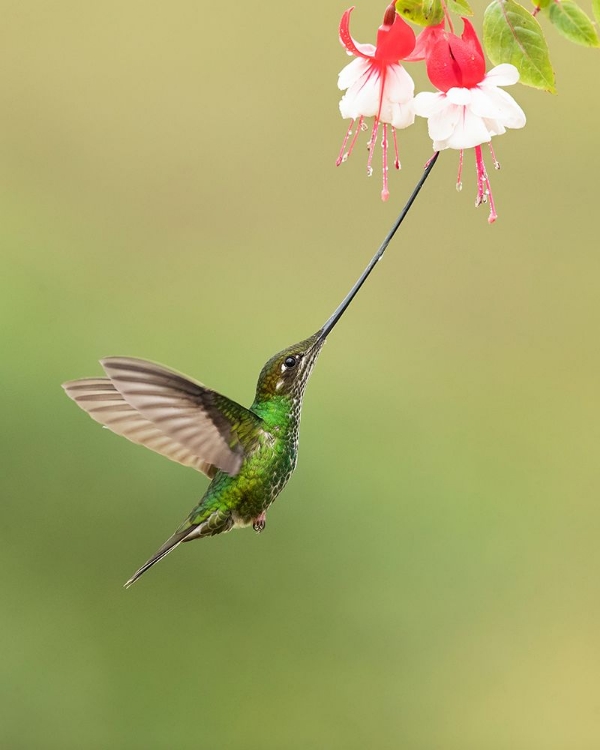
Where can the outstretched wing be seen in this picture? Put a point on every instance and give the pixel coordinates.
(207, 424)
(169, 413)
(103, 402)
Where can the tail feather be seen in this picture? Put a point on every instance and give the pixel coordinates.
(167, 547)
(214, 522)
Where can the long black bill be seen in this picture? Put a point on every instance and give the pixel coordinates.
(323, 333)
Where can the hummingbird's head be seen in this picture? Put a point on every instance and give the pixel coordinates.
(288, 371)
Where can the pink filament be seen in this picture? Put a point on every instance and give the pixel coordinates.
(359, 126)
(460, 169)
(484, 189)
(371, 146)
(343, 155)
(496, 162)
(385, 193)
(397, 160)
(340, 158)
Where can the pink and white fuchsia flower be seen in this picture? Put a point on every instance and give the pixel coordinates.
(469, 108)
(377, 86)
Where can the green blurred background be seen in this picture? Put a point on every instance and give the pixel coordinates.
(428, 580)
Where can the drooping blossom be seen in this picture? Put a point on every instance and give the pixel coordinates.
(377, 86)
(469, 107)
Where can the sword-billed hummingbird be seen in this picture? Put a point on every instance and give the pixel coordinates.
(249, 454)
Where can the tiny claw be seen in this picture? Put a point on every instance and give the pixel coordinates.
(259, 523)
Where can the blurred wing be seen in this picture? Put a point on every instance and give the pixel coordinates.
(103, 402)
(210, 426)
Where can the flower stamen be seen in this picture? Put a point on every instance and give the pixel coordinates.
(343, 155)
(461, 155)
(397, 159)
(484, 189)
(496, 162)
(371, 146)
(385, 193)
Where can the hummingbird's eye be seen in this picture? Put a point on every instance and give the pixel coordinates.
(290, 362)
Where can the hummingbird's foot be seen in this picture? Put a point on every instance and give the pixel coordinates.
(259, 523)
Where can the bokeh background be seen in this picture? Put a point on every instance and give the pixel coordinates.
(429, 578)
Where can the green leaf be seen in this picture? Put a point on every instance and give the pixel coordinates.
(539, 4)
(596, 9)
(512, 35)
(461, 7)
(572, 23)
(421, 12)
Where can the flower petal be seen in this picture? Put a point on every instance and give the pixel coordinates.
(427, 103)
(497, 105)
(363, 97)
(470, 131)
(399, 86)
(353, 72)
(442, 125)
(402, 115)
(502, 75)
(459, 95)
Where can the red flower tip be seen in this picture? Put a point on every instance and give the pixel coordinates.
(425, 41)
(394, 42)
(456, 61)
(390, 15)
(470, 38)
(395, 38)
(344, 31)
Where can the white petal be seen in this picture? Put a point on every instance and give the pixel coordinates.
(396, 103)
(496, 104)
(470, 131)
(399, 86)
(403, 115)
(367, 49)
(362, 98)
(459, 95)
(352, 72)
(502, 75)
(442, 124)
(427, 103)
(494, 127)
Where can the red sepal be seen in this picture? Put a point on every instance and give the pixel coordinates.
(395, 42)
(425, 41)
(345, 37)
(456, 61)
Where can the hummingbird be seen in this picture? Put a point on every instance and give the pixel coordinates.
(249, 454)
